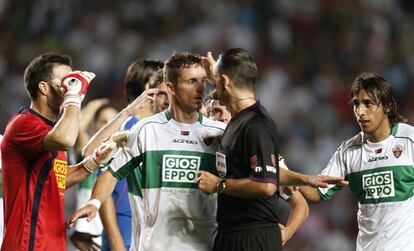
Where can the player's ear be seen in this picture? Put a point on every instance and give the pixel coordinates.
(43, 88)
(225, 81)
(170, 88)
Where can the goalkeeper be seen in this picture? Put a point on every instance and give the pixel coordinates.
(35, 172)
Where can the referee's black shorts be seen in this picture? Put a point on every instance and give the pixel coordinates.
(249, 237)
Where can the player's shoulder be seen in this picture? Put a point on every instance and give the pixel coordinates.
(212, 123)
(27, 118)
(352, 143)
(403, 130)
(154, 120)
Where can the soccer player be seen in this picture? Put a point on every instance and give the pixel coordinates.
(247, 162)
(35, 173)
(378, 163)
(176, 215)
(116, 211)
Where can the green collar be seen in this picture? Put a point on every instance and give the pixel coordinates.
(394, 128)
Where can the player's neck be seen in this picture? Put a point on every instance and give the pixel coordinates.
(241, 102)
(183, 116)
(44, 110)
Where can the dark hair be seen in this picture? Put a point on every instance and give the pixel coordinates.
(177, 61)
(379, 89)
(101, 109)
(239, 66)
(41, 69)
(138, 74)
(156, 78)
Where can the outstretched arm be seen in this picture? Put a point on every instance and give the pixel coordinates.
(290, 178)
(131, 110)
(103, 188)
(100, 156)
(311, 194)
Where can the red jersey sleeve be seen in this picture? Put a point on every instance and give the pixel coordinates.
(29, 132)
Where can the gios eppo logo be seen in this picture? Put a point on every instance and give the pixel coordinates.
(378, 185)
(180, 168)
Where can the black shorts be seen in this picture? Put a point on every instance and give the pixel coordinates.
(249, 237)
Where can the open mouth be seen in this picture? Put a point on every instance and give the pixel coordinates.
(363, 122)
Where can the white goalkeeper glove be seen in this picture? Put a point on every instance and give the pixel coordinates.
(105, 151)
(73, 87)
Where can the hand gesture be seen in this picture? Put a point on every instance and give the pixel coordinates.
(209, 63)
(325, 181)
(135, 106)
(89, 211)
(207, 182)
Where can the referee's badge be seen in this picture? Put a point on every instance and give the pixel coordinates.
(221, 164)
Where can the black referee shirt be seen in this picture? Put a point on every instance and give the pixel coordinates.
(250, 147)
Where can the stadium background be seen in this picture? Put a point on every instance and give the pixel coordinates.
(308, 52)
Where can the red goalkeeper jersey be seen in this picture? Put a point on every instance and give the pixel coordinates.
(34, 182)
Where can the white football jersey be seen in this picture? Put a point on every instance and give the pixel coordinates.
(162, 158)
(381, 177)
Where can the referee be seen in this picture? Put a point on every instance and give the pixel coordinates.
(247, 161)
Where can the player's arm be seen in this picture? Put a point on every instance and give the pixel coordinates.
(103, 188)
(311, 194)
(299, 211)
(108, 218)
(86, 118)
(131, 110)
(243, 188)
(290, 178)
(97, 159)
(73, 88)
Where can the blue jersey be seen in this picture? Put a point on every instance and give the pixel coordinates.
(121, 201)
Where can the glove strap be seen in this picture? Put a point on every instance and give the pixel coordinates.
(72, 100)
(90, 164)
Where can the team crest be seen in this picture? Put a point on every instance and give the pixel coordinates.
(397, 151)
(221, 164)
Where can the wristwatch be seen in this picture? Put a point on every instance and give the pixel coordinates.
(221, 186)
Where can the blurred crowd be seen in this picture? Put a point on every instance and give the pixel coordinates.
(308, 53)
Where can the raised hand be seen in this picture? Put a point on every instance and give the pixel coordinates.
(73, 87)
(208, 64)
(135, 106)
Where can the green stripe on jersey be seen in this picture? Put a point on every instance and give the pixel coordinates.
(165, 169)
(175, 168)
(384, 184)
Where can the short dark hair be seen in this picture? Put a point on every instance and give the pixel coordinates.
(177, 61)
(41, 69)
(239, 66)
(138, 74)
(379, 89)
(156, 78)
